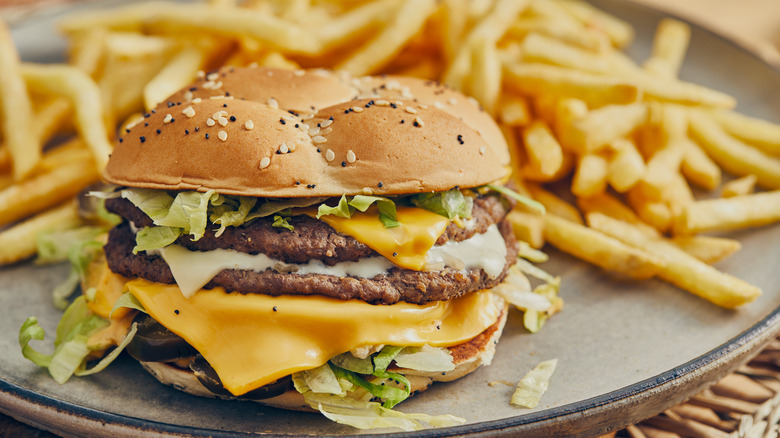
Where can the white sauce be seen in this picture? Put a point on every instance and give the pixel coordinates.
(193, 269)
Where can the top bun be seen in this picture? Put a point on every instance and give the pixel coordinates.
(284, 133)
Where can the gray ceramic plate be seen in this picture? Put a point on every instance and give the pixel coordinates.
(626, 350)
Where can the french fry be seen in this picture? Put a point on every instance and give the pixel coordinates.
(408, 21)
(669, 46)
(680, 268)
(489, 30)
(618, 31)
(732, 154)
(590, 178)
(44, 190)
(708, 249)
(729, 213)
(575, 34)
(626, 167)
(84, 95)
(607, 204)
(513, 110)
(485, 83)
(698, 168)
(599, 249)
(555, 205)
(528, 227)
(542, 150)
(678, 195)
(536, 80)
(685, 93)
(566, 112)
(453, 26)
(339, 30)
(87, 50)
(17, 124)
(760, 133)
(538, 48)
(177, 73)
(654, 212)
(739, 187)
(18, 241)
(597, 128)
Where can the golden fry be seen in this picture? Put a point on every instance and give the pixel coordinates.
(698, 168)
(485, 83)
(618, 31)
(681, 269)
(177, 73)
(669, 47)
(597, 128)
(734, 155)
(608, 205)
(760, 133)
(655, 212)
(407, 21)
(729, 213)
(590, 178)
(528, 227)
(84, 95)
(16, 110)
(708, 249)
(18, 241)
(600, 249)
(538, 48)
(555, 205)
(39, 192)
(626, 167)
(542, 150)
(536, 80)
(513, 110)
(739, 187)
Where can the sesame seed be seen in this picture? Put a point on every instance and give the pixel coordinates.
(232, 118)
(159, 131)
(265, 162)
(398, 103)
(299, 73)
(423, 106)
(326, 131)
(410, 110)
(121, 140)
(210, 122)
(188, 95)
(351, 156)
(283, 148)
(343, 164)
(223, 121)
(460, 139)
(346, 111)
(197, 129)
(380, 185)
(326, 123)
(292, 146)
(249, 125)
(168, 118)
(207, 136)
(197, 100)
(367, 191)
(187, 132)
(403, 121)
(482, 150)
(319, 139)
(438, 105)
(222, 135)
(212, 76)
(189, 112)
(304, 127)
(418, 122)
(314, 131)
(143, 139)
(273, 103)
(381, 102)
(330, 155)
(357, 109)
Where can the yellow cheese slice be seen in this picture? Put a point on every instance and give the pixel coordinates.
(252, 340)
(405, 245)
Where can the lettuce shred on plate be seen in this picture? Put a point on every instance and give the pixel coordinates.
(531, 388)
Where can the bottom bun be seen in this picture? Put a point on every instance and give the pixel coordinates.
(467, 357)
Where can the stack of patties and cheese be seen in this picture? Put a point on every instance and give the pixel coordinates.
(311, 240)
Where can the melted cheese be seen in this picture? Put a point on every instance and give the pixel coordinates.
(109, 287)
(252, 340)
(405, 245)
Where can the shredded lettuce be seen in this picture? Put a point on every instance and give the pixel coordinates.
(451, 204)
(231, 211)
(282, 222)
(70, 345)
(127, 300)
(346, 207)
(322, 380)
(371, 415)
(528, 202)
(531, 388)
(531, 254)
(425, 358)
(110, 357)
(150, 238)
(79, 246)
(349, 362)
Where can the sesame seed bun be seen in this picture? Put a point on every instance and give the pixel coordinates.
(467, 357)
(284, 133)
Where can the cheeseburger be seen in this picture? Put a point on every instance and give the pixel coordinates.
(308, 240)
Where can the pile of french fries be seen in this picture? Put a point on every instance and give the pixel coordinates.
(610, 147)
